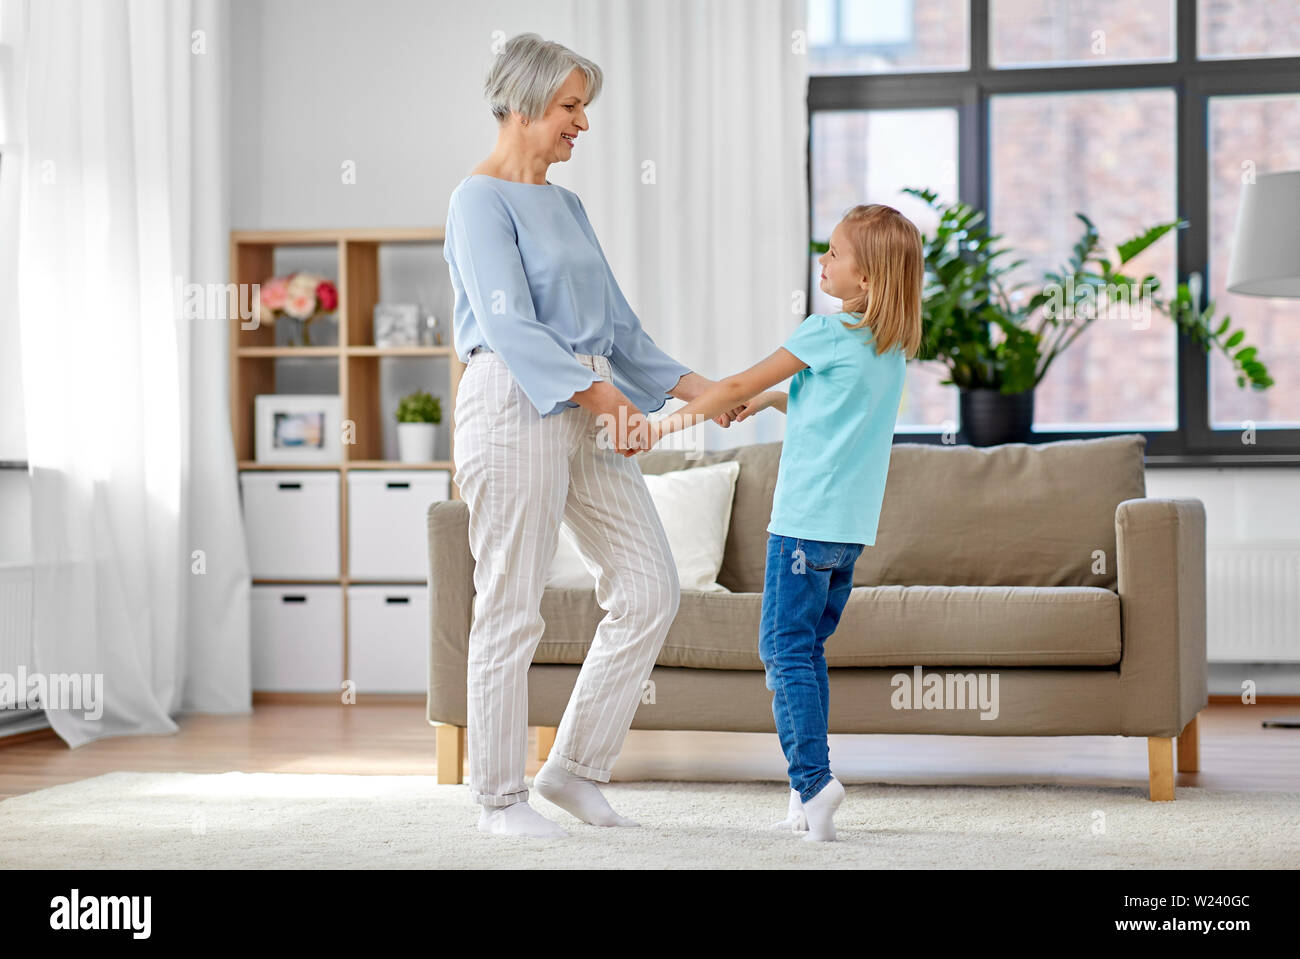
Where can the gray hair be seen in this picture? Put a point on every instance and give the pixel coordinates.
(527, 73)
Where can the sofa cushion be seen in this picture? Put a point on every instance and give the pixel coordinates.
(745, 557)
(880, 626)
(694, 508)
(1013, 515)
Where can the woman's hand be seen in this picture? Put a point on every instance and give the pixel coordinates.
(636, 438)
(645, 436)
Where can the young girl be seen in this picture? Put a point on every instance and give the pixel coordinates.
(848, 379)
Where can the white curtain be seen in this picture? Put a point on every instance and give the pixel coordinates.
(139, 564)
(695, 176)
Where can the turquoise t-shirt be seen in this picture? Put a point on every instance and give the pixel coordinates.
(839, 432)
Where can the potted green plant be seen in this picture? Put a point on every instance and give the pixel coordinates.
(998, 341)
(418, 414)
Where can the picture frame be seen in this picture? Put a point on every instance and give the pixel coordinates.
(397, 324)
(297, 428)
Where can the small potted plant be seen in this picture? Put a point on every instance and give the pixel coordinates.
(417, 417)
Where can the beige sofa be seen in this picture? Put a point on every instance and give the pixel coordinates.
(1044, 566)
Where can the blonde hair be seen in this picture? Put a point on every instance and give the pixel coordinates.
(886, 249)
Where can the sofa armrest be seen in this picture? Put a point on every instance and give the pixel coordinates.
(451, 593)
(1160, 564)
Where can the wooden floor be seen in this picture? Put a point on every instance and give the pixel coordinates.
(394, 739)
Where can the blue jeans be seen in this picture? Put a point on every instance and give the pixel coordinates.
(805, 587)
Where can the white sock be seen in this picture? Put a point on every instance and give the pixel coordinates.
(794, 820)
(518, 819)
(820, 811)
(577, 796)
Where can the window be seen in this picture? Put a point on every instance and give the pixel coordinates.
(883, 36)
(1053, 154)
(1250, 134)
(1025, 33)
(1133, 112)
(1247, 28)
(875, 153)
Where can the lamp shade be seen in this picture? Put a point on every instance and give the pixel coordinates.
(1266, 247)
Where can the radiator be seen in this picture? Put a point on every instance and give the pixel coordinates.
(15, 624)
(1252, 603)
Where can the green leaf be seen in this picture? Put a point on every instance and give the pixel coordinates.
(419, 407)
(1132, 247)
(1234, 339)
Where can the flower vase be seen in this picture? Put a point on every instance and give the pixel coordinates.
(297, 332)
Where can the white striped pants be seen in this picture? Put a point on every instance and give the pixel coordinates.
(521, 473)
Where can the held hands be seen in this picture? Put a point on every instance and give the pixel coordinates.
(643, 434)
(760, 402)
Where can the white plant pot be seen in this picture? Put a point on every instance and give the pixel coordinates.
(415, 442)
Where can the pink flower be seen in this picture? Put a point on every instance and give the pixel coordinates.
(303, 284)
(327, 295)
(300, 305)
(272, 293)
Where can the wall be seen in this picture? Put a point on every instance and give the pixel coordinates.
(1255, 505)
(321, 82)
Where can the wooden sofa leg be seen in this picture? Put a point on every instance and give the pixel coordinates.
(545, 740)
(1189, 747)
(451, 754)
(1160, 766)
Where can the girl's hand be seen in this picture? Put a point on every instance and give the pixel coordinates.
(643, 439)
(760, 402)
(726, 419)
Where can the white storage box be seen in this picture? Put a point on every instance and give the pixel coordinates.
(297, 638)
(291, 520)
(388, 639)
(388, 524)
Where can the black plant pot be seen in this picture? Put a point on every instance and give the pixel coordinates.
(989, 417)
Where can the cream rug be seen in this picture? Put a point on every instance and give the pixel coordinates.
(271, 820)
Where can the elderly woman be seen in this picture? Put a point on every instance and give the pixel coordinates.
(552, 348)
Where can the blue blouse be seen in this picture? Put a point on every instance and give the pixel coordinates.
(533, 285)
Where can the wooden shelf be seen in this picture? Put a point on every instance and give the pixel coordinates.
(336, 581)
(283, 351)
(254, 465)
(394, 465)
(254, 364)
(350, 465)
(255, 355)
(399, 351)
(277, 352)
(340, 581)
(328, 237)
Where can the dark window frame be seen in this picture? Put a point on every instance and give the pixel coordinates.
(1193, 82)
